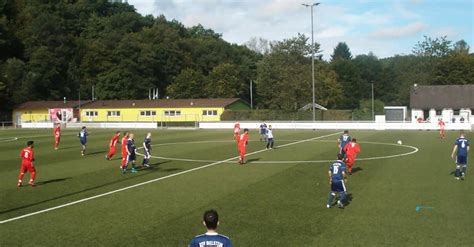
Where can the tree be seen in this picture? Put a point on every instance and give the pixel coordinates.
(461, 47)
(455, 69)
(224, 82)
(259, 45)
(188, 84)
(341, 51)
(438, 47)
(284, 77)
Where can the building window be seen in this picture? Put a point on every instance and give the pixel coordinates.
(456, 112)
(113, 113)
(91, 114)
(439, 112)
(172, 113)
(209, 112)
(147, 113)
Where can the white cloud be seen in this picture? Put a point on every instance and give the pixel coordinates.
(399, 31)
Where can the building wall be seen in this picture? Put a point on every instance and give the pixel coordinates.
(32, 116)
(133, 115)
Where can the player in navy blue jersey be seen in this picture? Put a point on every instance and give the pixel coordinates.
(342, 142)
(131, 153)
(147, 150)
(461, 149)
(211, 238)
(263, 132)
(83, 139)
(337, 180)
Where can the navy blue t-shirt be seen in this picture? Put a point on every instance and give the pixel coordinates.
(131, 146)
(462, 144)
(336, 169)
(147, 143)
(210, 240)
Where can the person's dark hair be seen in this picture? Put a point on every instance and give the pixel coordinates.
(83, 127)
(340, 156)
(210, 219)
(354, 140)
(246, 130)
(29, 143)
(118, 131)
(346, 132)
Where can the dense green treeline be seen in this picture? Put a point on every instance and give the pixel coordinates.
(55, 49)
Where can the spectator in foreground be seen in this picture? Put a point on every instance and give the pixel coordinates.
(211, 237)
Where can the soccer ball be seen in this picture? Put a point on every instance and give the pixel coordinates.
(399, 142)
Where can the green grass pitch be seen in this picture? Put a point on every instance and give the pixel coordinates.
(266, 202)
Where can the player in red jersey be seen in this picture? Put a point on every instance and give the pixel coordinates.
(442, 126)
(57, 135)
(351, 150)
(124, 149)
(237, 131)
(243, 141)
(113, 142)
(27, 158)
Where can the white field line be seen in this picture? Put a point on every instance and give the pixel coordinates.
(151, 181)
(8, 139)
(414, 150)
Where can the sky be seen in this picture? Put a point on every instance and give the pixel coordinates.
(384, 27)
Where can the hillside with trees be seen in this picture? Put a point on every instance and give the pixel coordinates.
(61, 49)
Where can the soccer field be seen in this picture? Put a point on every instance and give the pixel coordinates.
(401, 195)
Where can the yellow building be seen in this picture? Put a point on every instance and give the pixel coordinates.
(165, 110)
(46, 111)
(169, 110)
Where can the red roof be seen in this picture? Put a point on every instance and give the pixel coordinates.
(162, 103)
(49, 104)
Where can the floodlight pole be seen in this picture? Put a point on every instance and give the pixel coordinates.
(373, 112)
(251, 95)
(312, 56)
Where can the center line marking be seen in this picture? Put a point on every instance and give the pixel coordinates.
(154, 180)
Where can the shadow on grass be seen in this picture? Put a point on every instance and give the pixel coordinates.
(252, 160)
(356, 169)
(56, 180)
(97, 152)
(146, 171)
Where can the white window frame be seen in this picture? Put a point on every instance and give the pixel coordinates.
(113, 113)
(172, 113)
(211, 113)
(147, 113)
(92, 113)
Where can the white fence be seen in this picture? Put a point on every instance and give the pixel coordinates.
(106, 125)
(378, 125)
(128, 125)
(338, 125)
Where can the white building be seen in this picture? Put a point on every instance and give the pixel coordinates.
(448, 102)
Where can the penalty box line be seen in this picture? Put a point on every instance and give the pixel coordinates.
(154, 180)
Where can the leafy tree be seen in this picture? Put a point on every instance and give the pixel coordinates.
(259, 45)
(188, 84)
(341, 51)
(461, 47)
(455, 69)
(224, 82)
(438, 47)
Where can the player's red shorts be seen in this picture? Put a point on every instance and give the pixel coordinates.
(27, 167)
(350, 160)
(242, 150)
